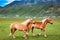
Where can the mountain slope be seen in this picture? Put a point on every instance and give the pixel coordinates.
(21, 9)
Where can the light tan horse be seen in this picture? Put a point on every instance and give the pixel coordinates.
(21, 27)
(40, 25)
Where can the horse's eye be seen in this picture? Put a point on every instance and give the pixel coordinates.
(33, 22)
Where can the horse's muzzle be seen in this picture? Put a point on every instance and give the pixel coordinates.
(34, 22)
(51, 23)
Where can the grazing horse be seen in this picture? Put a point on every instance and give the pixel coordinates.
(21, 27)
(41, 25)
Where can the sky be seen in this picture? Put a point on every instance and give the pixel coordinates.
(5, 2)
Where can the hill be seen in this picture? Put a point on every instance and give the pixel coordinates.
(19, 9)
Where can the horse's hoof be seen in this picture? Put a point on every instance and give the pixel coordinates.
(25, 37)
(33, 34)
(9, 34)
(45, 36)
(14, 37)
(39, 34)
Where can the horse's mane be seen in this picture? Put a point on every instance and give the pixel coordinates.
(30, 23)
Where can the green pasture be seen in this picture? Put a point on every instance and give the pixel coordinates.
(52, 31)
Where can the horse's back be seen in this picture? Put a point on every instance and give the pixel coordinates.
(38, 23)
(18, 26)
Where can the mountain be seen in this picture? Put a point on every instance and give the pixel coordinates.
(31, 2)
(0, 7)
(15, 3)
(27, 2)
(34, 8)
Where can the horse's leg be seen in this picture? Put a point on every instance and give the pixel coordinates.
(33, 31)
(40, 34)
(25, 34)
(12, 32)
(43, 32)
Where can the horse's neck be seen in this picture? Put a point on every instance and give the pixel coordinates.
(44, 21)
(26, 22)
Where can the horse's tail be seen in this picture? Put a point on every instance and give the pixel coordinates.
(11, 26)
(11, 29)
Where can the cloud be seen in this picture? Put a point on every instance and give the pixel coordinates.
(5, 2)
(18, 0)
(9, 1)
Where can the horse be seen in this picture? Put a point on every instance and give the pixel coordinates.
(21, 27)
(40, 25)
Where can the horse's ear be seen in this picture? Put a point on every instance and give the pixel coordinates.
(44, 18)
(49, 16)
(29, 17)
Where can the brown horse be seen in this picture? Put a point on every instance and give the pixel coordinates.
(40, 25)
(20, 26)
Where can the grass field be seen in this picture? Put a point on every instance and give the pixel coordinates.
(53, 31)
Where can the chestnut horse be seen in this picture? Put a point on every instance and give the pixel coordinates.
(41, 25)
(20, 26)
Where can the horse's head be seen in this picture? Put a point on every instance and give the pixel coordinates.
(48, 20)
(31, 20)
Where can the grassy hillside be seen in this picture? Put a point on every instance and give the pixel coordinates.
(32, 11)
